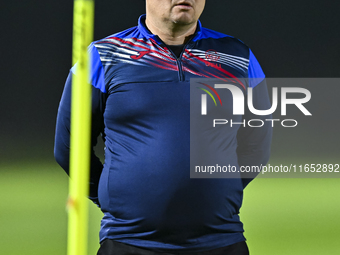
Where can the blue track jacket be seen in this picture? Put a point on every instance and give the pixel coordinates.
(141, 107)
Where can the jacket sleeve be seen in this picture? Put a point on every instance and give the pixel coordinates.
(62, 134)
(254, 143)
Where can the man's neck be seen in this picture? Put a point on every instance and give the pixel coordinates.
(171, 34)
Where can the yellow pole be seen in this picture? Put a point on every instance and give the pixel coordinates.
(80, 129)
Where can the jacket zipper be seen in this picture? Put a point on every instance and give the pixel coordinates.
(178, 60)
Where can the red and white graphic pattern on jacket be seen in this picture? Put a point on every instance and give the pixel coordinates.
(114, 50)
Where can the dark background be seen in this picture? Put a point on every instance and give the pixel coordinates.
(298, 38)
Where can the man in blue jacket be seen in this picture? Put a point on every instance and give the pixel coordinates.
(141, 106)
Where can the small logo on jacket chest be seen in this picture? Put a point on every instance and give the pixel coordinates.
(140, 54)
(212, 56)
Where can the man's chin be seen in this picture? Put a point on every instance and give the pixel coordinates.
(183, 19)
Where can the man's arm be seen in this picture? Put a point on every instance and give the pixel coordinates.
(254, 142)
(62, 135)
